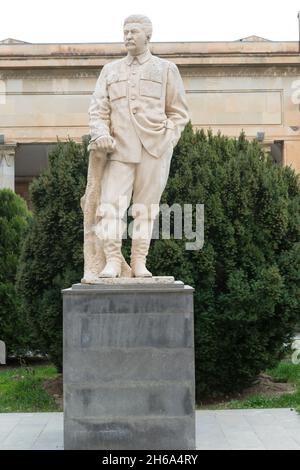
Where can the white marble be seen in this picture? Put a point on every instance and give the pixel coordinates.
(136, 115)
(135, 280)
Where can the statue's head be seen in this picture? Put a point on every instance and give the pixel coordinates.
(137, 33)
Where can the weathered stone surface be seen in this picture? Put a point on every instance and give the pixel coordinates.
(131, 399)
(129, 377)
(117, 330)
(146, 433)
(129, 281)
(145, 113)
(111, 364)
(117, 301)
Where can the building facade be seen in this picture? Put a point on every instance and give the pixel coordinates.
(250, 84)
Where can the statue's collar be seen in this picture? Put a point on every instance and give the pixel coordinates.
(142, 58)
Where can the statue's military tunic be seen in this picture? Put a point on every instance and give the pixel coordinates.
(139, 101)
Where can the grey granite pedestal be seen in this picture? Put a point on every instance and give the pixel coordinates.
(129, 378)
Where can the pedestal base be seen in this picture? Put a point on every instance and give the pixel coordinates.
(129, 380)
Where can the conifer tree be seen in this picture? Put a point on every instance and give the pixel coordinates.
(246, 276)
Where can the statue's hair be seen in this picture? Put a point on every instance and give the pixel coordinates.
(143, 20)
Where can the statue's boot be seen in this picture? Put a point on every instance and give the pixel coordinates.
(141, 238)
(139, 251)
(94, 260)
(114, 258)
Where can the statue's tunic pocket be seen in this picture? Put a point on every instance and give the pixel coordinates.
(117, 86)
(151, 85)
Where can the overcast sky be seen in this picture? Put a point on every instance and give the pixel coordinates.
(173, 20)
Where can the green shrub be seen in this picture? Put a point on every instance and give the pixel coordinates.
(14, 218)
(246, 276)
(52, 258)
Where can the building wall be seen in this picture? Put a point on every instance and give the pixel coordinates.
(251, 99)
(45, 91)
(44, 106)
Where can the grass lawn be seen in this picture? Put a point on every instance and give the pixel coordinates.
(21, 389)
(285, 371)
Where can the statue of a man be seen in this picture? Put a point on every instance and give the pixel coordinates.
(137, 114)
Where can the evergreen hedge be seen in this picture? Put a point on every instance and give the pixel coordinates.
(246, 276)
(14, 219)
(52, 257)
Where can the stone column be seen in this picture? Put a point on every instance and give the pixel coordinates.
(2, 352)
(292, 154)
(129, 372)
(7, 166)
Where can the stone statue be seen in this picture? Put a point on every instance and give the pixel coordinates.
(137, 114)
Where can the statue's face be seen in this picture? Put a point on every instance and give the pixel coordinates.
(135, 38)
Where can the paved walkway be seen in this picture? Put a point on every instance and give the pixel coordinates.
(36, 431)
(232, 429)
(277, 429)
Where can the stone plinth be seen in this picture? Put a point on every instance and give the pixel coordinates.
(129, 375)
